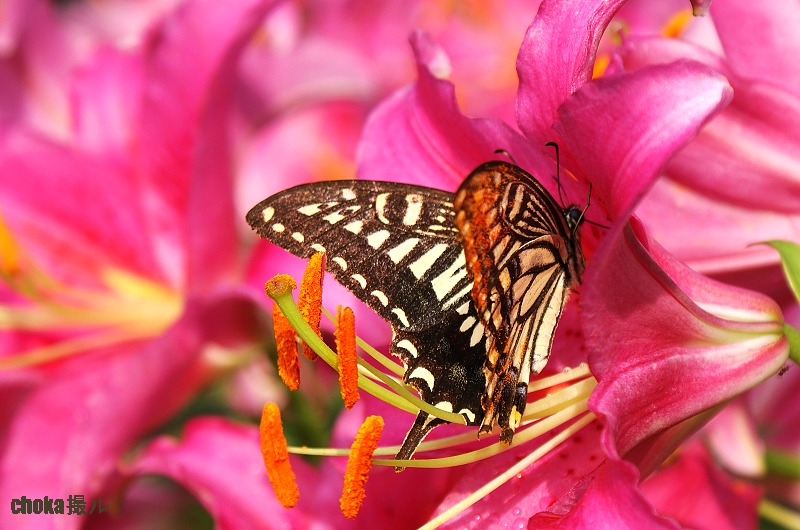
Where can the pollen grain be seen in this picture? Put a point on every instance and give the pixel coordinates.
(276, 457)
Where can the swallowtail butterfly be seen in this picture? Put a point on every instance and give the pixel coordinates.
(472, 283)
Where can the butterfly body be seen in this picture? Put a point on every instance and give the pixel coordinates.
(448, 278)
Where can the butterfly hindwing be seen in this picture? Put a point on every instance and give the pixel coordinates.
(396, 247)
(523, 256)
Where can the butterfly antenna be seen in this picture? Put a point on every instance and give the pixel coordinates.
(558, 171)
(582, 218)
(506, 154)
(588, 202)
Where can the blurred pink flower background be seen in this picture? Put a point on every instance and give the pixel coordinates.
(134, 135)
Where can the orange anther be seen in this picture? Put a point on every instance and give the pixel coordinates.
(358, 465)
(286, 341)
(346, 354)
(677, 24)
(276, 457)
(9, 253)
(309, 300)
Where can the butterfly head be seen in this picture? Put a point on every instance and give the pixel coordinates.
(574, 216)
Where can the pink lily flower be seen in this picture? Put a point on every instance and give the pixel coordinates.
(650, 113)
(740, 173)
(740, 176)
(119, 256)
(756, 439)
(320, 51)
(422, 136)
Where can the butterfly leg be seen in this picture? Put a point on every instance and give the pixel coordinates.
(505, 405)
(511, 405)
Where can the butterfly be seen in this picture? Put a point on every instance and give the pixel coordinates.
(472, 283)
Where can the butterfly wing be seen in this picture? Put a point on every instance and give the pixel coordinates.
(396, 248)
(523, 258)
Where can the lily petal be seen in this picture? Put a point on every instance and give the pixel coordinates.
(608, 499)
(733, 440)
(526, 495)
(183, 137)
(203, 460)
(745, 155)
(622, 130)
(105, 96)
(53, 224)
(91, 411)
(761, 41)
(556, 59)
(696, 493)
(419, 136)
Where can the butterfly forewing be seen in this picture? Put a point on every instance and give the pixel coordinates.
(381, 239)
(395, 246)
(523, 257)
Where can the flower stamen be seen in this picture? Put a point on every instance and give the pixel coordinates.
(124, 307)
(677, 24)
(9, 253)
(600, 65)
(286, 344)
(523, 435)
(579, 385)
(558, 409)
(396, 395)
(359, 464)
(346, 355)
(276, 456)
(508, 474)
(309, 299)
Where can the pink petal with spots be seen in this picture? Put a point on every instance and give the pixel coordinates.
(695, 492)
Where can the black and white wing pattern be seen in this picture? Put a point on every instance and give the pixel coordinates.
(396, 247)
(524, 254)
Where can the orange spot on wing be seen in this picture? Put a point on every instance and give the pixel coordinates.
(276, 457)
(479, 234)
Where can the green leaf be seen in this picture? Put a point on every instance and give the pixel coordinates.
(790, 256)
(793, 336)
(782, 463)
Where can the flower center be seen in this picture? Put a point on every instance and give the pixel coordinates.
(125, 307)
